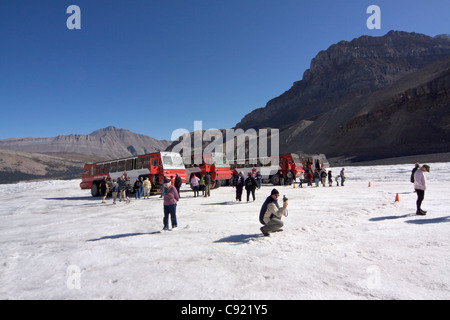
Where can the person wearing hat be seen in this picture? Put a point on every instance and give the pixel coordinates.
(271, 213)
(171, 198)
(420, 187)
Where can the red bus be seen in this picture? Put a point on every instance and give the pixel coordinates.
(155, 166)
(314, 161)
(214, 163)
(270, 167)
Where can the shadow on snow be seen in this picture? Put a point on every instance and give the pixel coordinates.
(240, 238)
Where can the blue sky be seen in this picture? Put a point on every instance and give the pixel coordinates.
(155, 66)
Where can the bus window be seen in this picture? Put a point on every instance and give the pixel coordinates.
(92, 171)
(106, 167)
(99, 169)
(146, 163)
(167, 160)
(129, 164)
(138, 164)
(113, 167)
(155, 162)
(121, 166)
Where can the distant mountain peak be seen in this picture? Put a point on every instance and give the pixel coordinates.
(107, 130)
(109, 142)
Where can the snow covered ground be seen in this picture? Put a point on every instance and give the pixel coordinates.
(351, 242)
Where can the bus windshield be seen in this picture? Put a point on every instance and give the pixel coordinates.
(297, 160)
(172, 161)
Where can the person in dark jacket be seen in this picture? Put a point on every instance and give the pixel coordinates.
(250, 186)
(122, 182)
(104, 189)
(271, 213)
(207, 180)
(239, 182)
(178, 183)
(137, 188)
(330, 178)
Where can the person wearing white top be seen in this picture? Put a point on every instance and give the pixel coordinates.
(420, 182)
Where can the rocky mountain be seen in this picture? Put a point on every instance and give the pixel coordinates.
(409, 117)
(368, 98)
(64, 156)
(105, 143)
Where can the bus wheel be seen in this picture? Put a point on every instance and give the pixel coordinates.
(94, 190)
(275, 179)
(216, 184)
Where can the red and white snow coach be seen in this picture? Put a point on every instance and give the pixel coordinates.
(155, 166)
(270, 167)
(214, 163)
(314, 161)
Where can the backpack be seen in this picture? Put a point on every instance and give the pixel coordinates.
(412, 174)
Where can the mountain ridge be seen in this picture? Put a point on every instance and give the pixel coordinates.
(63, 156)
(314, 114)
(348, 69)
(109, 142)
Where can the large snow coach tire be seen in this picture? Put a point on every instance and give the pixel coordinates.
(94, 190)
(275, 179)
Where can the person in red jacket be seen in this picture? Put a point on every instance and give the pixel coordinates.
(171, 198)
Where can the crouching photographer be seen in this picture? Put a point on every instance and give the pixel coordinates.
(271, 213)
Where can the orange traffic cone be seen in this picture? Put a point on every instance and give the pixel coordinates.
(369, 184)
(396, 198)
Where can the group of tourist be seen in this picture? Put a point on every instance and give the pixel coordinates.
(202, 184)
(270, 213)
(321, 176)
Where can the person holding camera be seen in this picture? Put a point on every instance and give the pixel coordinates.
(271, 213)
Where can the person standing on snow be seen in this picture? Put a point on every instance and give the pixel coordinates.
(271, 213)
(104, 189)
(330, 178)
(323, 176)
(178, 183)
(420, 182)
(147, 187)
(258, 178)
(207, 184)
(250, 186)
(114, 190)
(342, 175)
(122, 182)
(171, 198)
(239, 184)
(195, 182)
